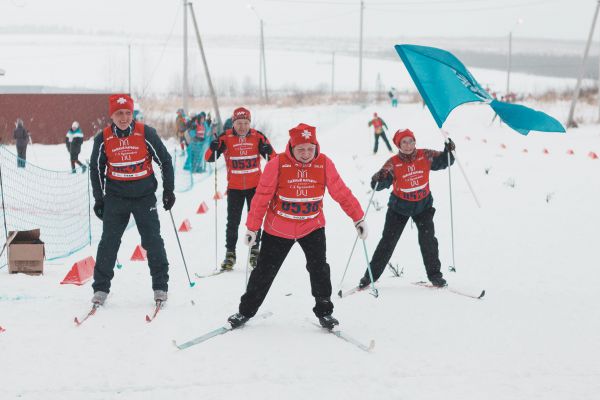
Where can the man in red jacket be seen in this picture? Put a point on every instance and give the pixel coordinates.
(408, 174)
(242, 147)
(290, 193)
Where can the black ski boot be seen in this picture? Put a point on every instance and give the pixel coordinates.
(253, 258)
(364, 282)
(237, 320)
(328, 322)
(438, 281)
(229, 261)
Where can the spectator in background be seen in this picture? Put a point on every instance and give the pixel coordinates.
(181, 121)
(22, 138)
(74, 140)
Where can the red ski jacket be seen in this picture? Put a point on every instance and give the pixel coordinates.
(284, 174)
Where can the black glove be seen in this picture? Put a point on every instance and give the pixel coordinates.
(377, 181)
(449, 145)
(168, 200)
(99, 209)
(214, 145)
(266, 148)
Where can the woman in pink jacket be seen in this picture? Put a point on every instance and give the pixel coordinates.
(290, 192)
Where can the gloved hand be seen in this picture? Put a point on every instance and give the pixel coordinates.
(377, 181)
(265, 148)
(449, 145)
(361, 228)
(214, 145)
(168, 200)
(250, 238)
(99, 209)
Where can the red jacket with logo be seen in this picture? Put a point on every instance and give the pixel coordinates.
(242, 157)
(290, 193)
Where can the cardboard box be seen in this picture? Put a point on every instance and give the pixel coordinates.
(26, 252)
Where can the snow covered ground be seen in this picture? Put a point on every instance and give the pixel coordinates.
(531, 246)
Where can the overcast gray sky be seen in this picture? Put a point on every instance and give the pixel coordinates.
(554, 19)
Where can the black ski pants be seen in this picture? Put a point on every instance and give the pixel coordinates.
(115, 219)
(235, 204)
(392, 229)
(385, 140)
(273, 252)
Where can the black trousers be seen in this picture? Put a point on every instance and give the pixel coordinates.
(235, 205)
(22, 154)
(385, 140)
(392, 229)
(273, 252)
(116, 217)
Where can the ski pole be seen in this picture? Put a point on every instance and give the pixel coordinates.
(355, 241)
(216, 216)
(374, 290)
(181, 250)
(248, 264)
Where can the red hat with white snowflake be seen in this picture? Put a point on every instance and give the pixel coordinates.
(303, 133)
(240, 113)
(119, 102)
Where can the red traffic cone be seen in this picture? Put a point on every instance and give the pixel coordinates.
(139, 254)
(185, 226)
(592, 155)
(570, 152)
(2, 329)
(503, 145)
(80, 272)
(546, 151)
(202, 209)
(217, 196)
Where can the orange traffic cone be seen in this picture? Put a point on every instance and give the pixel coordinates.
(546, 151)
(139, 254)
(592, 155)
(202, 209)
(80, 272)
(185, 226)
(217, 196)
(570, 152)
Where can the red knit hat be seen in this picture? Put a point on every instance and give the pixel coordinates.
(303, 134)
(119, 102)
(240, 113)
(401, 134)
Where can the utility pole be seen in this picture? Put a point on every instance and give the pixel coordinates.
(598, 89)
(509, 63)
(332, 71)
(185, 58)
(570, 121)
(264, 61)
(360, 48)
(129, 68)
(213, 94)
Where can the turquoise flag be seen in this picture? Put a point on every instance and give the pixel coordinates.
(445, 83)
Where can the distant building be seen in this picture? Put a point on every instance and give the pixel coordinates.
(49, 112)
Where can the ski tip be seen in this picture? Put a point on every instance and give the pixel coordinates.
(482, 294)
(192, 284)
(371, 345)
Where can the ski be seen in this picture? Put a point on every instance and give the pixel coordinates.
(338, 333)
(157, 308)
(78, 321)
(373, 292)
(216, 332)
(214, 273)
(477, 295)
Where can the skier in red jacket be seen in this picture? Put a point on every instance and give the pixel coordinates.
(242, 147)
(290, 193)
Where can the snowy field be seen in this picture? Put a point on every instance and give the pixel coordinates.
(531, 246)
